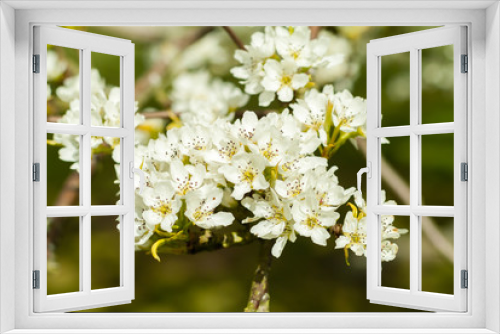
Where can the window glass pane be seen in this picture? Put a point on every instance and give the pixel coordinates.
(63, 178)
(105, 90)
(395, 169)
(63, 255)
(437, 84)
(63, 85)
(395, 251)
(105, 253)
(105, 184)
(395, 94)
(437, 266)
(437, 169)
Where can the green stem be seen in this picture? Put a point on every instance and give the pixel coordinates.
(259, 298)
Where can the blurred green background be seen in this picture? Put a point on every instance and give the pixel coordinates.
(307, 277)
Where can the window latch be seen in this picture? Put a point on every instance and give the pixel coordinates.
(368, 171)
(139, 171)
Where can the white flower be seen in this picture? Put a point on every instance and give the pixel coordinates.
(292, 187)
(162, 204)
(301, 164)
(293, 44)
(196, 140)
(311, 221)
(252, 60)
(329, 193)
(201, 205)
(281, 78)
(270, 144)
(245, 171)
(354, 235)
(186, 178)
(247, 126)
(342, 74)
(200, 99)
(349, 112)
(388, 251)
(274, 216)
(165, 148)
(55, 66)
(311, 111)
(225, 145)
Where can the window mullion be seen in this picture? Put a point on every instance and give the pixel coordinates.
(85, 171)
(414, 170)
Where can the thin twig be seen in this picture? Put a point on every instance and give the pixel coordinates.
(315, 31)
(143, 84)
(235, 38)
(165, 114)
(402, 190)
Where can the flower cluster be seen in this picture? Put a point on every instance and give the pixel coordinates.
(266, 164)
(104, 111)
(200, 99)
(355, 229)
(271, 172)
(279, 60)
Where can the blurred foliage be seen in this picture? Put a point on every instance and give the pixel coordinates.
(307, 278)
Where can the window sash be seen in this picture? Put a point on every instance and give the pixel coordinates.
(413, 43)
(86, 297)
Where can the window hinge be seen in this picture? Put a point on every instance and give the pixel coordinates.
(465, 64)
(465, 279)
(36, 63)
(36, 279)
(36, 172)
(464, 171)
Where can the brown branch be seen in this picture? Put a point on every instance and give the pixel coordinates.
(235, 38)
(402, 190)
(207, 241)
(259, 298)
(157, 114)
(315, 31)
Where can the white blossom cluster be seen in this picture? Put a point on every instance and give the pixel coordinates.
(104, 111)
(266, 164)
(355, 230)
(200, 99)
(277, 62)
(275, 169)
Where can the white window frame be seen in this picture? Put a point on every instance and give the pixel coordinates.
(483, 20)
(414, 43)
(86, 44)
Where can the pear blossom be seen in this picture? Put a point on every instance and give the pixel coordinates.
(311, 111)
(201, 99)
(354, 235)
(388, 251)
(292, 187)
(262, 47)
(246, 172)
(186, 178)
(162, 204)
(311, 221)
(349, 112)
(201, 205)
(354, 230)
(55, 66)
(281, 78)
